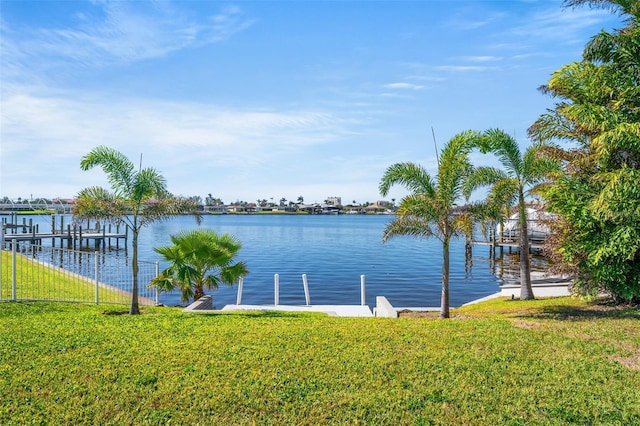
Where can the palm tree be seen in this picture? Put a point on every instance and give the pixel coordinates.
(199, 258)
(430, 209)
(509, 186)
(138, 198)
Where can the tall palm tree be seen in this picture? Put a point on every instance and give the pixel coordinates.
(509, 186)
(430, 208)
(199, 258)
(138, 198)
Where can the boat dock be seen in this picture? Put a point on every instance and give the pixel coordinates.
(74, 235)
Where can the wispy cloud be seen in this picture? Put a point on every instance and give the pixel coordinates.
(463, 68)
(115, 32)
(201, 135)
(403, 86)
(563, 25)
(485, 58)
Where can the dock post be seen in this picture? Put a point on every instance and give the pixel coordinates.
(362, 291)
(276, 283)
(239, 297)
(305, 284)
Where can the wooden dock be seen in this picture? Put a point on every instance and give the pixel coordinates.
(75, 236)
(536, 245)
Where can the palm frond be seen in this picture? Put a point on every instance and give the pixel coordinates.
(201, 258)
(505, 148)
(148, 183)
(119, 169)
(428, 208)
(409, 226)
(98, 203)
(536, 166)
(482, 176)
(409, 175)
(503, 193)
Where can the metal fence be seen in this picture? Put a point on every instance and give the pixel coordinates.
(35, 272)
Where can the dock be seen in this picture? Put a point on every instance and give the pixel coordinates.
(74, 235)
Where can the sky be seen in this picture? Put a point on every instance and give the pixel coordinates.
(253, 100)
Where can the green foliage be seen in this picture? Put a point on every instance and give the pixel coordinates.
(598, 193)
(38, 281)
(199, 259)
(542, 362)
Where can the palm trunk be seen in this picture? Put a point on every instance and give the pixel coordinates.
(444, 301)
(526, 291)
(135, 307)
(198, 293)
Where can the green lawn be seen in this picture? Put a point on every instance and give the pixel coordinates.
(558, 361)
(39, 281)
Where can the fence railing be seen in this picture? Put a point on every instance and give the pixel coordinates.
(35, 272)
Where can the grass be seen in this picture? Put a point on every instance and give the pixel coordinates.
(39, 281)
(555, 361)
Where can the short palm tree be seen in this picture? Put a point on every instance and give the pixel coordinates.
(139, 197)
(509, 186)
(199, 259)
(430, 210)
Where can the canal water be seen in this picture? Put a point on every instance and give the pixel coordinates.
(334, 251)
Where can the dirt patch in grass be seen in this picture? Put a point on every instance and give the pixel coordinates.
(632, 362)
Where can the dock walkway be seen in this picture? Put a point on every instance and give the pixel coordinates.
(73, 235)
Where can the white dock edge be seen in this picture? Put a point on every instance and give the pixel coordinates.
(550, 289)
(332, 310)
(384, 308)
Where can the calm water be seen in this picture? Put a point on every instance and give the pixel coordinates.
(334, 251)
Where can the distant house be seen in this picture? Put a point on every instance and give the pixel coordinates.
(215, 209)
(235, 208)
(330, 209)
(378, 207)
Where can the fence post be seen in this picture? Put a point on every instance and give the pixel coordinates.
(157, 273)
(14, 249)
(362, 291)
(97, 253)
(276, 297)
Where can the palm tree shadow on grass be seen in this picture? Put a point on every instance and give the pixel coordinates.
(596, 310)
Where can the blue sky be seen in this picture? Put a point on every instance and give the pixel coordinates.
(250, 100)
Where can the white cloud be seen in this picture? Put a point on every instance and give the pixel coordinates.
(117, 32)
(463, 68)
(563, 25)
(54, 131)
(485, 58)
(403, 86)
